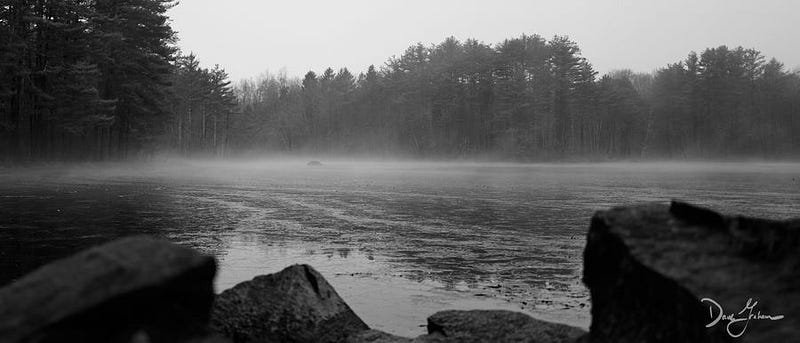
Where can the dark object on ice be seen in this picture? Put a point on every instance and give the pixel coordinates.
(648, 267)
(294, 305)
(315, 164)
(135, 288)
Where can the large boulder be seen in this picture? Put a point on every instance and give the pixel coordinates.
(137, 289)
(376, 336)
(497, 326)
(294, 305)
(657, 272)
(481, 326)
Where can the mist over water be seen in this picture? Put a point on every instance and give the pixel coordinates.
(398, 240)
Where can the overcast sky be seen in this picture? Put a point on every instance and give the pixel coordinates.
(248, 37)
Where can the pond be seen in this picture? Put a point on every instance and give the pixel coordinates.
(397, 240)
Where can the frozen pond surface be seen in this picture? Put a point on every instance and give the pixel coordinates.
(398, 241)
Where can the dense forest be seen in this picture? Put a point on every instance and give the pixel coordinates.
(529, 98)
(104, 79)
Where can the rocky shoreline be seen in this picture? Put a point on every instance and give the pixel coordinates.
(651, 270)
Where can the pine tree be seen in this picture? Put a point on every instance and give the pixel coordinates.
(134, 46)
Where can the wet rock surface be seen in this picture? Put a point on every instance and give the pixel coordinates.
(497, 326)
(481, 326)
(135, 288)
(648, 267)
(375, 336)
(294, 305)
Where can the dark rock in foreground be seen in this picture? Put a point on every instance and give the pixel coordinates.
(498, 326)
(375, 336)
(294, 305)
(136, 288)
(481, 326)
(648, 267)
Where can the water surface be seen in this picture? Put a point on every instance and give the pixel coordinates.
(399, 241)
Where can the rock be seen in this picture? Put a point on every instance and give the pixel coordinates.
(135, 289)
(480, 326)
(648, 267)
(496, 326)
(314, 164)
(375, 336)
(294, 305)
(210, 338)
(142, 337)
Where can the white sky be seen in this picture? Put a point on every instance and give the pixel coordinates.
(248, 37)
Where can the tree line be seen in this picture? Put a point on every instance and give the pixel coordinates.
(104, 79)
(528, 98)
